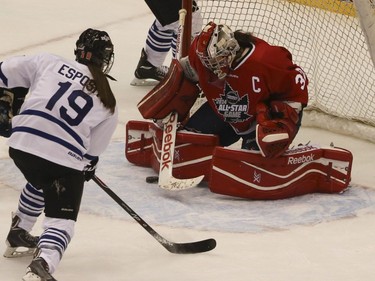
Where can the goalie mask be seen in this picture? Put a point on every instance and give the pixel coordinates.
(95, 47)
(217, 48)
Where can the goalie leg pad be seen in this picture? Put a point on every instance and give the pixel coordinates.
(299, 171)
(192, 155)
(138, 145)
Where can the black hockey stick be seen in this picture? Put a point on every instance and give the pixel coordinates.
(175, 248)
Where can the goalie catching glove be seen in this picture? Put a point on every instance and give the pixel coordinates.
(277, 125)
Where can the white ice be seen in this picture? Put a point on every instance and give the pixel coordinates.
(317, 237)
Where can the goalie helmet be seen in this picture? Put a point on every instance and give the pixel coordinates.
(217, 48)
(95, 46)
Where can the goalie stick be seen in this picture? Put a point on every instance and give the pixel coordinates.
(166, 179)
(175, 248)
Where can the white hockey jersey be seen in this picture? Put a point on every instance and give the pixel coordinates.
(59, 120)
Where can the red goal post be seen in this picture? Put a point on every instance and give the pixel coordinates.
(325, 37)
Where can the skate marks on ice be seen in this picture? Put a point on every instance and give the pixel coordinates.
(198, 208)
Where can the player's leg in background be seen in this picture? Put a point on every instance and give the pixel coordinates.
(157, 47)
(161, 39)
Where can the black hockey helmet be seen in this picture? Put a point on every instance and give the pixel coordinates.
(95, 46)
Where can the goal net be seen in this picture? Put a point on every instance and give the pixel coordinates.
(326, 39)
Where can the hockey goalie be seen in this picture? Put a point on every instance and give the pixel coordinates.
(255, 96)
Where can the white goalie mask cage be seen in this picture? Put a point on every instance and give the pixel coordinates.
(219, 50)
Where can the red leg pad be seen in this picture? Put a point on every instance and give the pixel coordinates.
(303, 170)
(192, 155)
(138, 145)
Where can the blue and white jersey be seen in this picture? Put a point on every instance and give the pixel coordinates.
(60, 120)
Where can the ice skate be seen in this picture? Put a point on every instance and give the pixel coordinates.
(147, 74)
(38, 271)
(19, 242)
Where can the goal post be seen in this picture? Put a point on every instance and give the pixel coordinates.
(332, 41)
(366, 16)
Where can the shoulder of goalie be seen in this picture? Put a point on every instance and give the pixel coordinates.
(173, 93)
(193, 151)
(301, 170)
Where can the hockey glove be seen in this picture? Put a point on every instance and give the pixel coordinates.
(6, 114)
(276, 128)
(89, 170)
(249, 141)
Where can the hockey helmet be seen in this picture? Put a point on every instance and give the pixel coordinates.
(95, 46)
(217, 48)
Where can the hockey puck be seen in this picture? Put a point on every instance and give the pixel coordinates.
(152, 179)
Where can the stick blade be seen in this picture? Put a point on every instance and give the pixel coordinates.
(192, 247)
(171, 183)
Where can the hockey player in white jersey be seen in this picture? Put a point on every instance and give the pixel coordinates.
(161, 38)
(64, 124)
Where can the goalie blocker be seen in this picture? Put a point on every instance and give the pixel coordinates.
(173, 93)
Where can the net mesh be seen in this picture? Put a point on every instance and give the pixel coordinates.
(325, 39)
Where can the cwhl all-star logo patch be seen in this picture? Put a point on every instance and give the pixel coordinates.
(231, 106)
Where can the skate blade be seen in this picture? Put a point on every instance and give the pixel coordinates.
(143, 82)
(17, 252)
(37, 275)
(29, 276)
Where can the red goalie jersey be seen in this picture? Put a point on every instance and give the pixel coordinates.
(253, 90)
(263, 73)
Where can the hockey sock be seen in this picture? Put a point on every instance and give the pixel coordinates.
(30, 206)
(158, 44)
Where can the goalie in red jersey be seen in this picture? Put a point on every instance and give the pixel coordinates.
(251, 87)
(253, 90)
(256, 92)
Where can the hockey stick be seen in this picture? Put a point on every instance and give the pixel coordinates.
(166, 179)
(175, 248)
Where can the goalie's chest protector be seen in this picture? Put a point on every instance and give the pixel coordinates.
(264, 73)
(234, 98)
